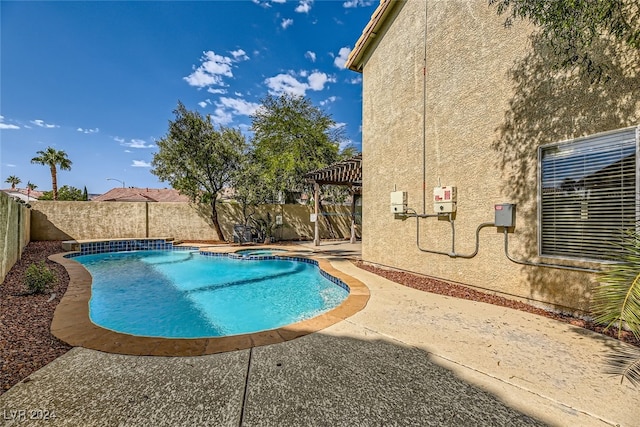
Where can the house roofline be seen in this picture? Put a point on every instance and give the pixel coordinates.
(378, 17)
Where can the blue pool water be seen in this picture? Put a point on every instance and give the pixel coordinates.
(182, 294)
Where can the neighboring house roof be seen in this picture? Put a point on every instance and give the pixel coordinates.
(355, 61)
(141, 195)
(23, 193)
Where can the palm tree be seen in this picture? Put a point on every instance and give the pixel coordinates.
(30, 187)
(13, 180)
(52, 158)
(616, 303)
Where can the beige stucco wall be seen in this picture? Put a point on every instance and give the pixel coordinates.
(183, 221)
(87, 220)
(489, 104)
(14, 232)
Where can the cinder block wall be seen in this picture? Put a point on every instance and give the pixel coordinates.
(14, 232)
(183, 221)
(487, 105)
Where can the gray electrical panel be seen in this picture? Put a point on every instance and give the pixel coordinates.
(505, 215)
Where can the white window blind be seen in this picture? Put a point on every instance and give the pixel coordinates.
(588, 194)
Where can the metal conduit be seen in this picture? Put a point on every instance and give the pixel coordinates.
(541, 264)
(453, 253)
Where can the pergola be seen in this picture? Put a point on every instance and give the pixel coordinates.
(344, 173)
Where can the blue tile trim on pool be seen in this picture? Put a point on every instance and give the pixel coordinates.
(88, 248)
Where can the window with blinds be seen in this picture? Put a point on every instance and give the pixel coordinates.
(588, 194)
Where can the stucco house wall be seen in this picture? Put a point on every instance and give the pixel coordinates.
(446, 82)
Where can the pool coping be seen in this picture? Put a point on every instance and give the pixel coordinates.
(71, 322)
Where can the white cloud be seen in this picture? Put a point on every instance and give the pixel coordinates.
(10, 165)
(287, 83)
(279, 1)
(128, 151)
(239, 55)
(317, 80)
(221, 116)
(342, 57)
(216, 91)
(227, 108)
(328, 100)
(356, 3)
(118, 139)
(96, 130)
(135, 143)
(345, 143)
(356, 80)
(310, 55)
(286, 23)
(42, 124)
(213, 68)
(304, 6)
(202, 104)
(140, 164)
(239, 106)
(264, 4)
(7, 125)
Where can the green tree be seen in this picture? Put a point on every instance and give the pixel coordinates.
(13, 180)
(85, 194)
(292, 137)
(197, 159)
(53, 158)
(249, 188)
(574, 30)
(66, 193)
(31, 186)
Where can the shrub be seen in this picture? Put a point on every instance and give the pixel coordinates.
(38, 277)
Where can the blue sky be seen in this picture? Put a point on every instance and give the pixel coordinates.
(100, 79)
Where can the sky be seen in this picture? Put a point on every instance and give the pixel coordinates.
(99, 80)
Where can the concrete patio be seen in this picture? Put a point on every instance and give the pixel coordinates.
(408, 358)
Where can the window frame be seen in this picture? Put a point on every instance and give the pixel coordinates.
(540, 189)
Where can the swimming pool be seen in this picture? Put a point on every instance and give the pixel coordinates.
(185, 294)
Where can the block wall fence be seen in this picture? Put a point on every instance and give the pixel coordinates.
(182, 221)
(15, 220)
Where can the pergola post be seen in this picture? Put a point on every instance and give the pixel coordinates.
(316, 200)
(353, 217)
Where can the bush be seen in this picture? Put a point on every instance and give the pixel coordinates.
(38, 277)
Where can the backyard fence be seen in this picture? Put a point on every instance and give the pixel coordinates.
(182, 221)
(14, 232)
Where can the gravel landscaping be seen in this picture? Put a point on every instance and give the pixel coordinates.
(26, 343)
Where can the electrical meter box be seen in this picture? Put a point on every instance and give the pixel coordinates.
(505, 215)
(445, 199)
(398, 202)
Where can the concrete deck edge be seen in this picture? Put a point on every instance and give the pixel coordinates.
(71, 322)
